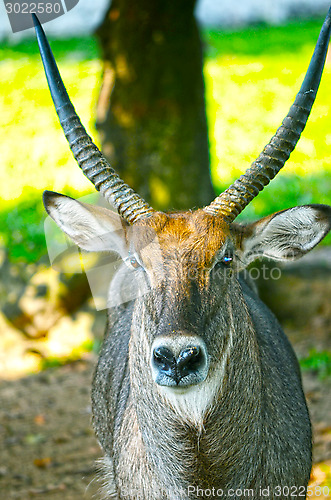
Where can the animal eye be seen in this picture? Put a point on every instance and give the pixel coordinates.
(227, 259)
(133, 262)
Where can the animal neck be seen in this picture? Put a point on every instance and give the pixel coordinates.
(184, 452)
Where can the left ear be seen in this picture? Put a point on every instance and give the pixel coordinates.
(286, 235)
(92, 228)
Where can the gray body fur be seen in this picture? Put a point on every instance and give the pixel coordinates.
(256, 434)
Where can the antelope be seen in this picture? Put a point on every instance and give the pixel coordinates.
(197, 391)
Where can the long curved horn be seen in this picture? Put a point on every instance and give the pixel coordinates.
(234, 199)
(96, 168)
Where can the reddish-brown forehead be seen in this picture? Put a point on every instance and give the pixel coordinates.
(192, 234)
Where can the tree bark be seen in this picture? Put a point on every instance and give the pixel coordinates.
(151, 110)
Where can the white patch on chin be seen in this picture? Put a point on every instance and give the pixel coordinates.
(192, 403)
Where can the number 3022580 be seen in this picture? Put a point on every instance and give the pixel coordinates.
(33, 8)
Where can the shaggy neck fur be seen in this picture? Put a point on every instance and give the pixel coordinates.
(190, 449)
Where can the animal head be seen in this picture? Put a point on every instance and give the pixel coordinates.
(186, 261)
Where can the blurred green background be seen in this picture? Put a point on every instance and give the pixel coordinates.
(251, 78)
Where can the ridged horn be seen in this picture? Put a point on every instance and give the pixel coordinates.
(96, 168)
(234, 199)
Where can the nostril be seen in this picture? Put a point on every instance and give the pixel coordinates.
(163, 358)
(190, 359)
(178, 362)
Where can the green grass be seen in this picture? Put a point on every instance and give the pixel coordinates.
(34, 153)
(319, 362)
(263, 39)
(75, 355)
(251, 78)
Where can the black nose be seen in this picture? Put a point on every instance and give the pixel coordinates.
(186, 367)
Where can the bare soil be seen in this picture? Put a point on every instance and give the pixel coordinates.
(48, 448)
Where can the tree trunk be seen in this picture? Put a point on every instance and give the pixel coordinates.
(151, 110)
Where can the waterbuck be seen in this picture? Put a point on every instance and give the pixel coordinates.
(197, 391)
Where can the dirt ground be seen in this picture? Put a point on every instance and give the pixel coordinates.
(48, 449)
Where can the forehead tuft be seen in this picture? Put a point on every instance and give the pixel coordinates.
(192, 232)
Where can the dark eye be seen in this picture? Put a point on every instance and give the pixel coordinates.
(227, 259)
(133, 262)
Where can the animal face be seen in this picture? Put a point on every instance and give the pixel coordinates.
(183, 268)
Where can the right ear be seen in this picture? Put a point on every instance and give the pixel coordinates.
(91, 227)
